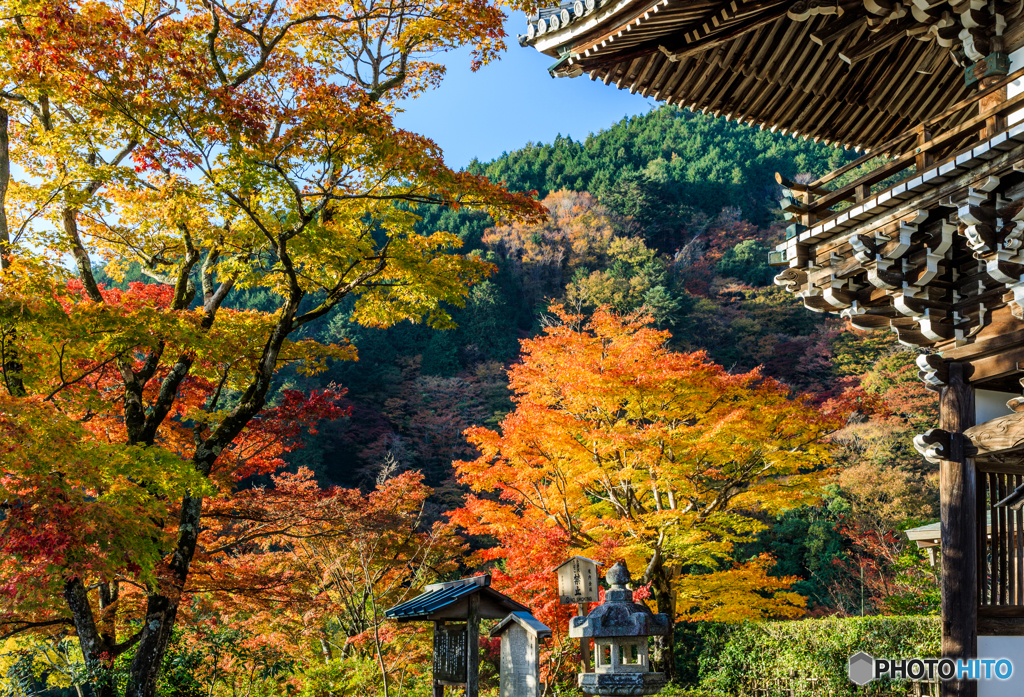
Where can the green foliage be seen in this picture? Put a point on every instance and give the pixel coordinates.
(351, 676)
(855, 353)
(919, 593)
(733, 654)
(669, 161)
(440, 357)
(200, 661)
(747, 261)
(806, 544)
(487, 324)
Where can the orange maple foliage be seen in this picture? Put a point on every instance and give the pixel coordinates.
(621, 448)
(296, 566)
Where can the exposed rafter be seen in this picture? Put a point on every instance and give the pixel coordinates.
(869, 68)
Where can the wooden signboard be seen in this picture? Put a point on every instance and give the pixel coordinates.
(577, 581)
(450, 653)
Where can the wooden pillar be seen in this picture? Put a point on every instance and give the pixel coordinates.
(806, 198)
(994, 124)
(585, 641)
(473, 647)
(958, 500)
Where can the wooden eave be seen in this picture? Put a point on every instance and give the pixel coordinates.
(932, 257)
(750, 62)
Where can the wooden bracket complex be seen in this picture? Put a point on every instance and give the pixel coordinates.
(934, 372)
(934, 444)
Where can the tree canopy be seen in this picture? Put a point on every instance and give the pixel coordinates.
(220, 148)
(619, 447)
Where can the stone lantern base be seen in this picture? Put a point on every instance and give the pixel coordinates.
(621, 683)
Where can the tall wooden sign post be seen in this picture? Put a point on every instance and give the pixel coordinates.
(578, 583)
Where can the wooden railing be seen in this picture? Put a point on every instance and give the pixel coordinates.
(956, 131)
(1000, 555)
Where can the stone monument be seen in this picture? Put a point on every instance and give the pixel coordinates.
(520, 634)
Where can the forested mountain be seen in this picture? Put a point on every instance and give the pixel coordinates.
(671, 214)
(667, 162)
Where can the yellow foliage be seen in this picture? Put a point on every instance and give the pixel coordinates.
(50, 663)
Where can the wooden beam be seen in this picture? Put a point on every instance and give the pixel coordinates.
(1001, 626)
(802, 188)
(984, 348)
(1009, 463)
(838, 28)
(905, 161)
(1006, 611)
(874, 43)
(958, 503)
(997, 438)
(996, 366)
(931, 122)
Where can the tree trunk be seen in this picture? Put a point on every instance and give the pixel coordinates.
(162, 604)
(162, 607)
(661, 585)
(11, 361)
(89, 639)
(5, 179)
(149, 654)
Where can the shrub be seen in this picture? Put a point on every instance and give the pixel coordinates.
(732, 654)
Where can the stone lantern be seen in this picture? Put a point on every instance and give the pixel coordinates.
(619, 628)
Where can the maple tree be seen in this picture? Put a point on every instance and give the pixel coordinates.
(79, 504)
(220, 147)
(619, 447)
(633, 279)
(296, 566)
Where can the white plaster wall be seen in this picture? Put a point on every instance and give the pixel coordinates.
(990, 405)
(1011, 647)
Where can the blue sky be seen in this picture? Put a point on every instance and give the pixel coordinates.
(511, 102)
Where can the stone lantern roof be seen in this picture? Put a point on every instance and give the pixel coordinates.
(618, 615)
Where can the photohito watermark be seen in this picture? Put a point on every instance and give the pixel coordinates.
(864, 668)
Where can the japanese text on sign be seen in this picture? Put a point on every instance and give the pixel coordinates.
(577, 581)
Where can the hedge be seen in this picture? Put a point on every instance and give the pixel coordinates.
(728, 656)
